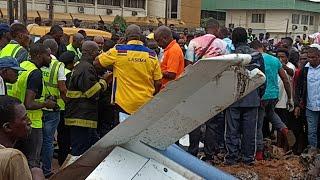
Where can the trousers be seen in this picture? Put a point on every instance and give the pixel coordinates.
(82, 139)
(213, 137)
(241, 124)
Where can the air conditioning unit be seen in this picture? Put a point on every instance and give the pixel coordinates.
(81, 9)
(134, 13)
(294, 27)
(231, 26)
(109, 11)
(47, 6)
(305, 28)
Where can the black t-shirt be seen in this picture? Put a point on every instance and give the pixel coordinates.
(34, 82)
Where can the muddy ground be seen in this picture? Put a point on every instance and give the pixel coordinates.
(282, 169)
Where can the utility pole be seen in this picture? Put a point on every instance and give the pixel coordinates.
(16, 9)
(287, 28)
(51, 11)
(10, 11)
(122, 6)
(23, 12)
(166, 14)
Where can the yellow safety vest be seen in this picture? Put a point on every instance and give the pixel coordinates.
(75, 51)
(50, 82)
(10, 50)
(19, 90)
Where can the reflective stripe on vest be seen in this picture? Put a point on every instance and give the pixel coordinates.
(90, 92)
(10, 50)
(50, 81)
(81, 122)
(19, 89)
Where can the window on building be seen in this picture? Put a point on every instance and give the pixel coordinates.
(135, 3)
(109, 2)
(83, 1)
(257, 18)
(218, 15)
(174, 9)
(295, 18)
(305, 19)
(311, 20)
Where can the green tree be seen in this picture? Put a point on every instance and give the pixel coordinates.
(121, 21)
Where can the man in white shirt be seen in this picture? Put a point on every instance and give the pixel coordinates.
(51, 117)
(9, 69)
(281, 106)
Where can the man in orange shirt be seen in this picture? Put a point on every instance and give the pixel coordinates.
(172, 64)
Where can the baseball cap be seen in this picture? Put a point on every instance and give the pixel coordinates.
(10, 62)
(4, 28)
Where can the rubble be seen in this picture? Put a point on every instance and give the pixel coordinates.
(311, 162)
(278, 166)
(265, 170)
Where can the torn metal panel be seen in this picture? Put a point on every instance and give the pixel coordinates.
(119, 164)
(149, 152)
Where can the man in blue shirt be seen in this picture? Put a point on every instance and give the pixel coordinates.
(308, 93)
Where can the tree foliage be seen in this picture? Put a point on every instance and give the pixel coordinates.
(121, 21)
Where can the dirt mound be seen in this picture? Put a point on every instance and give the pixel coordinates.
(273, 169)
(279, 166)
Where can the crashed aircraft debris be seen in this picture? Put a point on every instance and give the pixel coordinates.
(141, 146)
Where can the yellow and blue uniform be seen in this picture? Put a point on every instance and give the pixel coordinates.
(135, 68)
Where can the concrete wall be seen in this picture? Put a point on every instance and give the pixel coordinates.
(275, 22)
(191, 12)
(156, 8)
(91, 9)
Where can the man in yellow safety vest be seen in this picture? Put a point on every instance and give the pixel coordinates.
(54, 87)
(28, 89)
(17, 46)
(75, 46)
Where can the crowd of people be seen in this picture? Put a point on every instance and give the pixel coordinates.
(83, 89)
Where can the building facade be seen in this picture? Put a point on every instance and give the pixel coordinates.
(278, 17)
(90, 7)
(178, 10)
(186, 10)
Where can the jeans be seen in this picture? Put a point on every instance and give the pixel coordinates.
(214, 135)
(312, 119)
(82, 138)
(50, 123)
(241, 124)
(266, 112)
